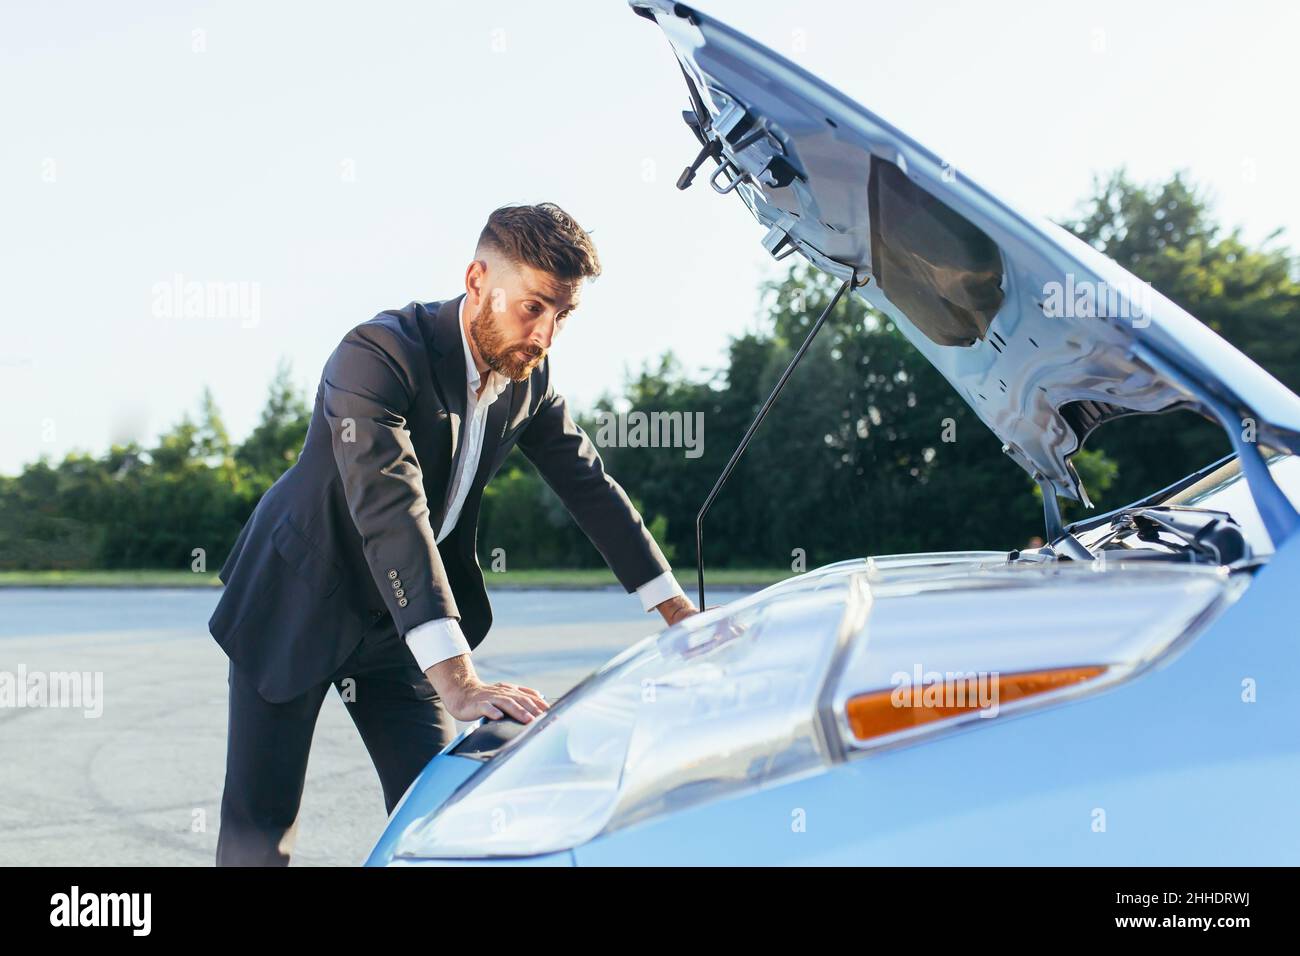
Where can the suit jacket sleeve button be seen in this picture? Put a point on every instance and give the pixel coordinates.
(392, 575)
(399, 592)
(402, 602)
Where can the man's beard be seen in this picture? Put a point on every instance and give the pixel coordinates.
(515, 362)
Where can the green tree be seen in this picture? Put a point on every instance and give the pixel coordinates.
(868, 451)
(274, 444)
(1165, 233)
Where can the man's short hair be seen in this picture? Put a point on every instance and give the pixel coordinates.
(544, 237)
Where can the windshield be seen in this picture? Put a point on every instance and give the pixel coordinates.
(1225, 489)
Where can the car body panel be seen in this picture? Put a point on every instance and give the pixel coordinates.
(1183, 768)
(427, 792)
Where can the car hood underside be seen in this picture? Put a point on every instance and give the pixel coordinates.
(1041, 334)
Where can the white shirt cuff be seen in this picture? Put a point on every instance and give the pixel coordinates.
(435, 641)
(657, 590)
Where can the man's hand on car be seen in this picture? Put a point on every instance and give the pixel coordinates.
(468, 698)
(495, 701)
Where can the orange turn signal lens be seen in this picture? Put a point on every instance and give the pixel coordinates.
(880, 713)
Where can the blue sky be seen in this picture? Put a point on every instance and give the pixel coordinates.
(339, 159)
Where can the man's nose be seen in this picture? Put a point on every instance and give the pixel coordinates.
(544, 332)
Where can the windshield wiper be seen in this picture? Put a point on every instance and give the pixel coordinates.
(1211, 534)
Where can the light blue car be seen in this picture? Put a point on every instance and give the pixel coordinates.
(1129, 693)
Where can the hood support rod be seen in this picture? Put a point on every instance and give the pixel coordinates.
(1060, 540)
(753, 427)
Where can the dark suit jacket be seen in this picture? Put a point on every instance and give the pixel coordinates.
(346, 535)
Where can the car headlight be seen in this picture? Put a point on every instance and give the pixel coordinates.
(722, 701)
(936, 652)
(812, 671)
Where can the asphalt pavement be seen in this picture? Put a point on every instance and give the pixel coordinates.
(133, 775)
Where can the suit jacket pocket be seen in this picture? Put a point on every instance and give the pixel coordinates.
(307, 561)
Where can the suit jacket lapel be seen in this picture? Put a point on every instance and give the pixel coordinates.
(451, 382)
(497, 417)
(449, 378)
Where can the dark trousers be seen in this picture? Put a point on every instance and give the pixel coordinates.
(399, 715)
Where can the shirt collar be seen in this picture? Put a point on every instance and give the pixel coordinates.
(496, 383)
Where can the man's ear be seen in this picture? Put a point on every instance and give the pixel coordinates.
(476, 281)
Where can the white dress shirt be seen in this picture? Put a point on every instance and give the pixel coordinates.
(435, 641)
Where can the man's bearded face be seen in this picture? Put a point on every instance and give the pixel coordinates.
(515, 360)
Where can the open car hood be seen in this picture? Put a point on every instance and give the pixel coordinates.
(1044, 336)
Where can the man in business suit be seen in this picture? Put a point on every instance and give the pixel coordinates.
(359, 569)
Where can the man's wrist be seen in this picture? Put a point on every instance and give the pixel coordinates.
(452, 679)
(675, 608)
